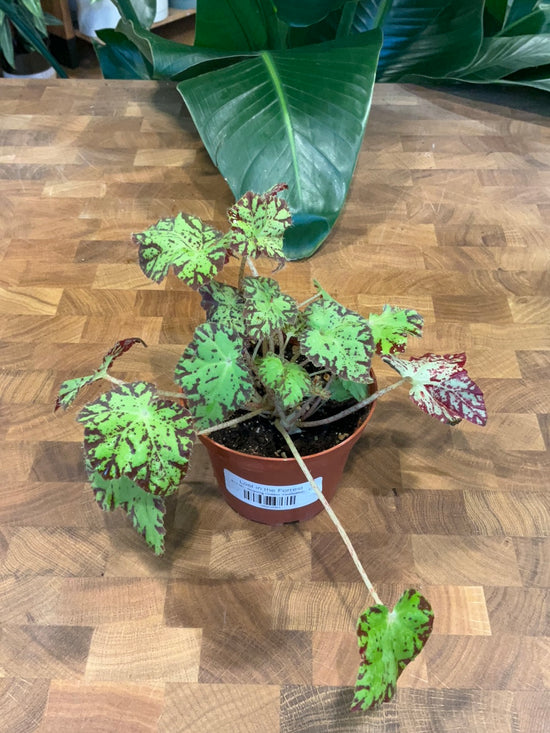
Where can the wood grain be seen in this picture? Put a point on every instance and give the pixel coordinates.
(240, 627)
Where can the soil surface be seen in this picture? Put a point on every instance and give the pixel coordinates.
(258, 436)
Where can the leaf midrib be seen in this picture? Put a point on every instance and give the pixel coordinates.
(283, 104)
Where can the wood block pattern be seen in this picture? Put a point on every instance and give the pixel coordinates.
(240, 627)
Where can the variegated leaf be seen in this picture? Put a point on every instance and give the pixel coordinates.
(195, 251)
(266, 309)
(223, 304)
(391, 328)
(69, 390)
(337, 339)
(258, 223)
(387, 643)
(213, 374)
(441, 387)
(289, 381)
(130, 432)
(146, 510)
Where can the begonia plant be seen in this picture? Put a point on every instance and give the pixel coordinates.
(262, 353)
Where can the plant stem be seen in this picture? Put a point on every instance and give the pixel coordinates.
(346, 19)
(310, 300)
(231, 423)
(241, 274)
(342, 532)
(252, 266)
(358, 406)
(383, 9)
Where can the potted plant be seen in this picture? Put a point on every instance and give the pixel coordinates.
(23, 40)
(287, 368)
(299, 76)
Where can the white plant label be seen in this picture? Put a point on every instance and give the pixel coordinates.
(268, 496)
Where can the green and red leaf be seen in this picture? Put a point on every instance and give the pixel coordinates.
(289, 381)
(195, 251)
(146, 510)
(258, 223)
(388, 642)
(213, 374)
(223, 304)
(131, 432)
(69, 389)
(441, 387)
(337, 339)
(266, 309)
(391, 328)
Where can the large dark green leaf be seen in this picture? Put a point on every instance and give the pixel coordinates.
(429, 37)
(305, 12)
(296, 116)
(500, 56)
(119, 58)
(237, 25)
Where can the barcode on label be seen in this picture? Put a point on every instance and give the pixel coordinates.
(269, 496)
(269, 500)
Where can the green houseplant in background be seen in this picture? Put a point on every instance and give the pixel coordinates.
(261, 353)
(281, 90)
(23, 27)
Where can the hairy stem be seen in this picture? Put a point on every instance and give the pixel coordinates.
(350, 410)
(342, 532)
(241, 274)
(231, 423)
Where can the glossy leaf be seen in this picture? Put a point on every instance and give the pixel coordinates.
(337, 339)
(501, 56)
(441, 387)
(69, 390)
(388, 642)
(131, 432)
(223, 304)
(305, 12)
(266, 309)
(429, 37)
(296, 116)
(119, 58)
(391, 328)
(258, 223)
(240, 25)
(289, 381)
(213, 373)
(195, 251)
(146, 510)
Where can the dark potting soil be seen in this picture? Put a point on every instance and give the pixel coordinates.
(259, 436)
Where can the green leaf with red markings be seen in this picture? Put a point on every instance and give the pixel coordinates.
(441, 387)
(289, 381)
(337, 339)
(391, 328)
(258, 223)
(266, 309)
(223, 304)
(195, 251)
(69, 390)
(213, 374)
(146, 510)
(388, 641)
(131, 432)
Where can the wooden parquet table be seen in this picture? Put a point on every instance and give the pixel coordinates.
(241, 627)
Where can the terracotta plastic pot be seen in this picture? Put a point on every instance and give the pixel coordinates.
(274, 490)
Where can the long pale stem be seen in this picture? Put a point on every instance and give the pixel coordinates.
(342, 532)
(352, 409)
(231, 423)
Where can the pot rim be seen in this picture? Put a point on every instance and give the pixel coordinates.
(269, 459)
